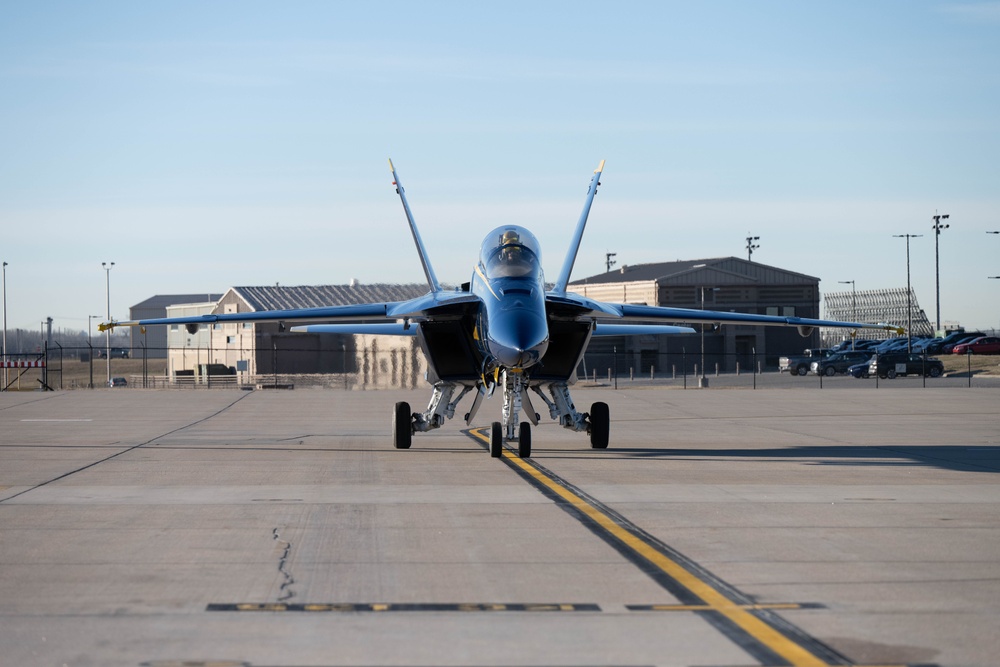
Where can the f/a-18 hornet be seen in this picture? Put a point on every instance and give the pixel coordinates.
(502, 329)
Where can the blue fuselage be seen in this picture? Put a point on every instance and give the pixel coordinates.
(512, 330)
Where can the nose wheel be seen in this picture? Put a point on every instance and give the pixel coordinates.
(496, 440)
(523, 440)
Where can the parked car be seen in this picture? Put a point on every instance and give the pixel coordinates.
(948, 348)
(888, 366)
(937, 346)
(116, 353)
(860, 370)
(984, 345)
(117, 382)
(839, 362)
(799, 364)
(890, 344)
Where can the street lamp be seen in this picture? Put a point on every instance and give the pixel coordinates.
(854, 304)
(937, 227)
(90, 346)
(751, 246)
(4, 388)
(703, 382)
(909, 293)
(107, 334)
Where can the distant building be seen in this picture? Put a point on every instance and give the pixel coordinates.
(155, 339)
(724, 283)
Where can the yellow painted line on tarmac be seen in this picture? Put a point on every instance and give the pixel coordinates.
(776, 606)
(715, 602)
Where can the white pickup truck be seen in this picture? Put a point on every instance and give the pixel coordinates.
(799, 365)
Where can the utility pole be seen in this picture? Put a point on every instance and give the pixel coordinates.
(909, 292)
(854, 306)
(703, 381)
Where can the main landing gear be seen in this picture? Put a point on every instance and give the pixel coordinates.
(597, 422)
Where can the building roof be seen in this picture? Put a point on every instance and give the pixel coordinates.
(739, 269)
(278, 297)
(164, 300)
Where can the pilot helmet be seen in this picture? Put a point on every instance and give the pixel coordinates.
(510, 237)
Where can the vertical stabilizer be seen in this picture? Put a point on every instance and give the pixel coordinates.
(574, 247)
(424, 260)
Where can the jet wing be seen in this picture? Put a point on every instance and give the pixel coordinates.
(639, 313)
(580, 308)
(426, 308)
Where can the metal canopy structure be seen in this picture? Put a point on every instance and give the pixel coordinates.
(878, 305)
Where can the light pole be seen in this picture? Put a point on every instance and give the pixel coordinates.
(107, 334)
(854, 305)
(909, 297)
(4, 327)
(703, 382)
(937, 227)
(90, 347)
(751, 246)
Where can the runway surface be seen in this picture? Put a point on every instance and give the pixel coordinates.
(722, 528)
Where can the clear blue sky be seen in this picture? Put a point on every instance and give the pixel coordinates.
(202, 145)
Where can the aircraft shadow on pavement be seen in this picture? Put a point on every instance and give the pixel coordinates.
(962, 458)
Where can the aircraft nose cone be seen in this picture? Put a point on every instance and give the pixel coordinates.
(520, 347)
(521, 357)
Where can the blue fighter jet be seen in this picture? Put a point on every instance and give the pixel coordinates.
(502, 329)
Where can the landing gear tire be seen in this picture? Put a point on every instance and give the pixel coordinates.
(402, 432)
(524, 440)
(496, 440)
(600, 425)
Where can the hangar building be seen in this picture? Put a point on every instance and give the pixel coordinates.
(723, 283)
(267, 348)
(155, 339)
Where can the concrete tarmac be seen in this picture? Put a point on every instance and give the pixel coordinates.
(280, 528)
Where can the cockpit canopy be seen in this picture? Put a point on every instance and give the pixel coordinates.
(510, 252)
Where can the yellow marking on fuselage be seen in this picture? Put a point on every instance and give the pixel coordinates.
(482, 276)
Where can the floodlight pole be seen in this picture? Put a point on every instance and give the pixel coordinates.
(751, 246)
(107, 334)
(937, 227)
(909, 292)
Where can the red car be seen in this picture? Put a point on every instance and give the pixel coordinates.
(984, 345)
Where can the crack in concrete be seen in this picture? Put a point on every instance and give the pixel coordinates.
(285, 591)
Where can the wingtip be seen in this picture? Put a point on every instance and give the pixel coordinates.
(391, 168)
(600, 168)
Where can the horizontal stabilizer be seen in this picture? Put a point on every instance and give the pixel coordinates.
(639, 330)
(380, 329)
